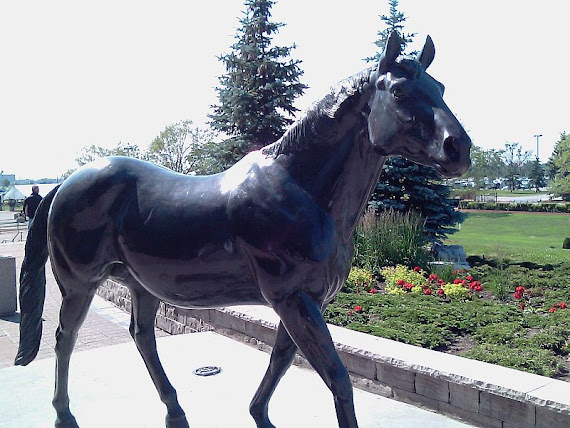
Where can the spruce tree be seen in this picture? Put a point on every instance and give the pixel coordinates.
(403, 184)
(257, 92)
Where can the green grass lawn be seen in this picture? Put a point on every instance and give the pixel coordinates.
(516, 236)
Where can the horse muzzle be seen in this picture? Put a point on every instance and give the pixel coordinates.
(453, 157)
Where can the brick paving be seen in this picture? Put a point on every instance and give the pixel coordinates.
(105, 324)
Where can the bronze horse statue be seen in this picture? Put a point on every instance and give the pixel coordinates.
(275, 229)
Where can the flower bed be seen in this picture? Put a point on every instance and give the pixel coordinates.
(456, 312)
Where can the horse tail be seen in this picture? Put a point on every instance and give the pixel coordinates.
(33, 284)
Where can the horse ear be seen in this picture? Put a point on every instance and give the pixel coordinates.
(427, 54)
(391, 52)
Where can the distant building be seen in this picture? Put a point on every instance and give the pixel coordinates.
(10, 178)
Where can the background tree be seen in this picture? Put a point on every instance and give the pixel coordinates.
(514, 158)
(560, 161)
(485, 164)
(257, 92)
(90, 153)
(394, 22)
(183, 148)
(405, 185)
(537, 175)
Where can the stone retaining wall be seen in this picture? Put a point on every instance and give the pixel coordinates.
(482, 394)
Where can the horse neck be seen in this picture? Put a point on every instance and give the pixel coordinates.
(340, 172)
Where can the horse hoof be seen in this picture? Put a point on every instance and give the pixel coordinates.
(177, 422)
(67, 422)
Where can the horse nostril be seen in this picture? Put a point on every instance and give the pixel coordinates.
(450, 149)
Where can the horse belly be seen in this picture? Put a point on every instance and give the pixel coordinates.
(203, 282)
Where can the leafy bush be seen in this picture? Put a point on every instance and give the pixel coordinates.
(358, 280)
(566, 244)
(390, 238)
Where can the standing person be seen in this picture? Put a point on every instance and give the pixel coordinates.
(31, 204)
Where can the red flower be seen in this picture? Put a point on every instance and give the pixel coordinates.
(521, 306)
(400, 282)
(350, 313)
(478, 288)
(408, 287)
(440, 281)
(457, 281)
(517, 295)
(552, 309)
(432, 277)
(372, 291)
(427, 291)
(520, 289)
(469, 278)
(358, 309)
(455, 272)
(441, 292)
(417, 269)
(562, 305)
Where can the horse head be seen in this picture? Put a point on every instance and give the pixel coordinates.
(408, 116)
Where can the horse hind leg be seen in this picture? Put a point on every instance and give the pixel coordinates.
(74, 308)
(143, 313)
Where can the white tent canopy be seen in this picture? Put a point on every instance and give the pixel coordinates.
(13, 193)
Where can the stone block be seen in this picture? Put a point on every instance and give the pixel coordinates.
(469, 416)
(395, 376)
(220, 319)
(517, 413)
(432, 387)
(416, 399)
(464, 397)
(8, 299)
(261, 332)
(550, 418)
(359, 364)
(237, 324)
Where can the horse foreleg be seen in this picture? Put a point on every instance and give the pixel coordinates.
(303, 319)
(74, 309)
(281, 358)
(144, 307)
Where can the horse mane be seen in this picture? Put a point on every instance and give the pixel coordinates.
(321, 119)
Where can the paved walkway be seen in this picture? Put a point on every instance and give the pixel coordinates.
(109, 387)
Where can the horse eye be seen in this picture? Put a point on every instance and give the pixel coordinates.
(398, 91)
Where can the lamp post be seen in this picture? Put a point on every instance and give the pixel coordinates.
(537, 138)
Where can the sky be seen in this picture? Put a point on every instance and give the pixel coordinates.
(75, 74)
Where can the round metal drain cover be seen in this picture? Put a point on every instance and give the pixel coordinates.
(207, 371)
